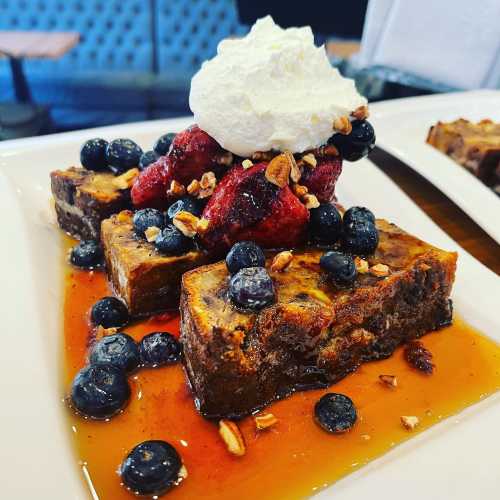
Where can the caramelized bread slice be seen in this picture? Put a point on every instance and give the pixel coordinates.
(146, 280)
(84, 198)
(315, 334)
(476, 146)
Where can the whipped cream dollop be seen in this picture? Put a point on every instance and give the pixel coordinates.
(272, 89)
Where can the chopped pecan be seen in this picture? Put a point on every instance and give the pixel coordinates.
(329, 150)
(231, 435)
(176, 189)
(379, 270)
(247, 163)
(186, 223)
(361, 113)
(310, 201)
(202, 225)
(299, 190)
(361, 265)
(281, 261)
(278, 170)
(409, 422)
(295, 172)
(389, 380)
(342, 125)
(419, 357)
(194, 188)
(126, 180)
(207, 185)
(310, 159)
(152, 233)
(265, 421)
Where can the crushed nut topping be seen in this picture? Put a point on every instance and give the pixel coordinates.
(225, 159)
(207, 185)
(329, 150)
(202, 226)
(310, 159)
(278, 170)
(152, 233)
(409, 422)
(379, 270)
(389, 380)
(265, 421)
(231, 435)
(342, 125)
(176, 189)
(361, 265)
(183, 473)
(186, 223)
(194, 188)
(310, 201)
(124, 216)
(295, 172)
(281, 261)
(102, 332)
(247, 163)
(126, 180)
(361, 113)
(419, 357)
(299, 190)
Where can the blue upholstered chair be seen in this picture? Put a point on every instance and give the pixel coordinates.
(134, 61)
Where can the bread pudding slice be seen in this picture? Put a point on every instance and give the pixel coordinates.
(146, 280)
(315, 334)
(84, 198)
(475, 146)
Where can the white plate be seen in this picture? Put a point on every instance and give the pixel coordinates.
(401, 126)
(456, 459)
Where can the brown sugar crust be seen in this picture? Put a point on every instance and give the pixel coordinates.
(84, 198)
(315, 334)
(146, 280)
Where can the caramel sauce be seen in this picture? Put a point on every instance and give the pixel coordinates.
(295, 457)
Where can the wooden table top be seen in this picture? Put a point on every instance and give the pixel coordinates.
(37, 44)
(441, 210)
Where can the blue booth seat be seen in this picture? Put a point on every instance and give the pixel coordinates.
(134, 61)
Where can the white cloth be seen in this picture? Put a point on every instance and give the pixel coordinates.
(452, 42)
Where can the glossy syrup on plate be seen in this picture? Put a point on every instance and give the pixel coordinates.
(294, 458)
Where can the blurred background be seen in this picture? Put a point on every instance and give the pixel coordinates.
(70, 64)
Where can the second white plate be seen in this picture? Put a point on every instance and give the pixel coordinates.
(401, 126)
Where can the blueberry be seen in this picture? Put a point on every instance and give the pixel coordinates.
(119, 350)
(109, 312)
(159, 348)
(244, 254)
(151, 468)
(93, 154)
(325, 223)
(360, 237)
(335, 413)
(184, 204)
(358, 214)
(123, 154)
(100, 390)
(146, 159)
(358, 143)
(339, 266)
(172, 242)
(147, 217)
(252, 288)
(87, 254)
(162, 145)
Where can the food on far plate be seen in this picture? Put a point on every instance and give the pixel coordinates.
(475, 146)
(282, 291)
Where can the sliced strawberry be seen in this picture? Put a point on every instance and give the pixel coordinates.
(150, 188)
(192, 153)
(245, 206)
(321, 180)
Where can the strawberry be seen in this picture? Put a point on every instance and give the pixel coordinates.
(245, 206)
(150, 188)
(192, 153)
(321, 180)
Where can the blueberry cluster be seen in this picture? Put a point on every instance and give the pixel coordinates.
(250, 286)
(354, 234)
(170, 241)
(101, 389)
(358, 143)
(120, 155)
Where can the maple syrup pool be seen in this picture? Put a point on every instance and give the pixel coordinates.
(294, 458)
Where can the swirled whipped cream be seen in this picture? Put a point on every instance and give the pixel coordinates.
(272, 89)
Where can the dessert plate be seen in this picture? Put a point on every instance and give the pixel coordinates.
(36, 459)
(402, 125)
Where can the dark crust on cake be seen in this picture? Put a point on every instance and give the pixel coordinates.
(315, 334)
(146, 280)
(83, 199)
